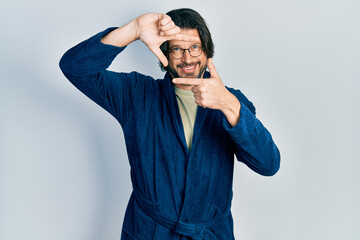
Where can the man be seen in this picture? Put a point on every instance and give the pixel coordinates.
(181, 132)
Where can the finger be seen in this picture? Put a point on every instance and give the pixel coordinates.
(170, 32)
(164, 19)
(212, 69)
(182, 37)
(160, 55)
(199, 102)
(187, 81)
(168, 26)
(197, 95)
(195, 89)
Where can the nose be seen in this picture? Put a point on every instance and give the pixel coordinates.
(186, 57)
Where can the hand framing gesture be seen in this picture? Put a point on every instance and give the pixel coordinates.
(155, 28)
(152, 28)
(211, 93)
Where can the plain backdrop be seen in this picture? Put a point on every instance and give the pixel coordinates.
(64, 172)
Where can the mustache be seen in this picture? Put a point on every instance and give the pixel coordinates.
(187, 64)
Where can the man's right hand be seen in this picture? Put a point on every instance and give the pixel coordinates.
(153, 29)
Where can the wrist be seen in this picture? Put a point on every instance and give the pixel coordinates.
(122, 36)
(231, 109)
(135, 26)
(230, 104)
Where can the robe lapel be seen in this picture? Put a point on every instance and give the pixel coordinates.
(174, 111)
(199, 120)
(199, 124)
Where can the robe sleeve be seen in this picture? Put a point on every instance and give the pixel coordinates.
(85, 66)
(254, 145)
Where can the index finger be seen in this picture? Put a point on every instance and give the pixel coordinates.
(182, 37)
(187, 81)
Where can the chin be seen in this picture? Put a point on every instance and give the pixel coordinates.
(193, 75)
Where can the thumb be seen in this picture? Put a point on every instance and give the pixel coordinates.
(211, 66)
(160, 55)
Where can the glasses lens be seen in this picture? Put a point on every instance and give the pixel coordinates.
(195, 51)
(178, 53)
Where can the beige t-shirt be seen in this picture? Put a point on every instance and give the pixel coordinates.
(188, 110)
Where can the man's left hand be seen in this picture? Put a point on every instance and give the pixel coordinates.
(211, 93)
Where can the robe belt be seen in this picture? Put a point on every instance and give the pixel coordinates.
(192, 230)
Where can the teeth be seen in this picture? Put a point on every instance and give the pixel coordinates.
(188, 68)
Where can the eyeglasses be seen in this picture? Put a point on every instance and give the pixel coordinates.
(194, 51)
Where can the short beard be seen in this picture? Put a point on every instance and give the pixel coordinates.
(175, 74)
(172, 72)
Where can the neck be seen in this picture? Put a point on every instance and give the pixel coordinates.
(184, 87)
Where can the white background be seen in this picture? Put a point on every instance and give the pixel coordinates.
(63, 166)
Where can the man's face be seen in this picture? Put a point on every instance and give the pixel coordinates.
(187, 66)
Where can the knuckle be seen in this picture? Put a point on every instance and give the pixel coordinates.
(202, 88)
(166, 17)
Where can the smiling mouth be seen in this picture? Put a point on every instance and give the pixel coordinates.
(189, 68)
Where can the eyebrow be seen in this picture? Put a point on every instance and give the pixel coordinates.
(178, 46)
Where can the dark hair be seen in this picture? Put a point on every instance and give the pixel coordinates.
(186, 18)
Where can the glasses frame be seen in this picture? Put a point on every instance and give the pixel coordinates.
(183, 51)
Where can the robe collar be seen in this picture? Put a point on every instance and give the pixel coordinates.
(175, 112)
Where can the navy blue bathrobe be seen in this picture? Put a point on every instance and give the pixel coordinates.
(177, 193)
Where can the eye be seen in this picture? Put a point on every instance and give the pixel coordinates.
(176, 49)
(195, 47)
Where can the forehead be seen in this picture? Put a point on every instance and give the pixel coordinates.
(188, 32)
